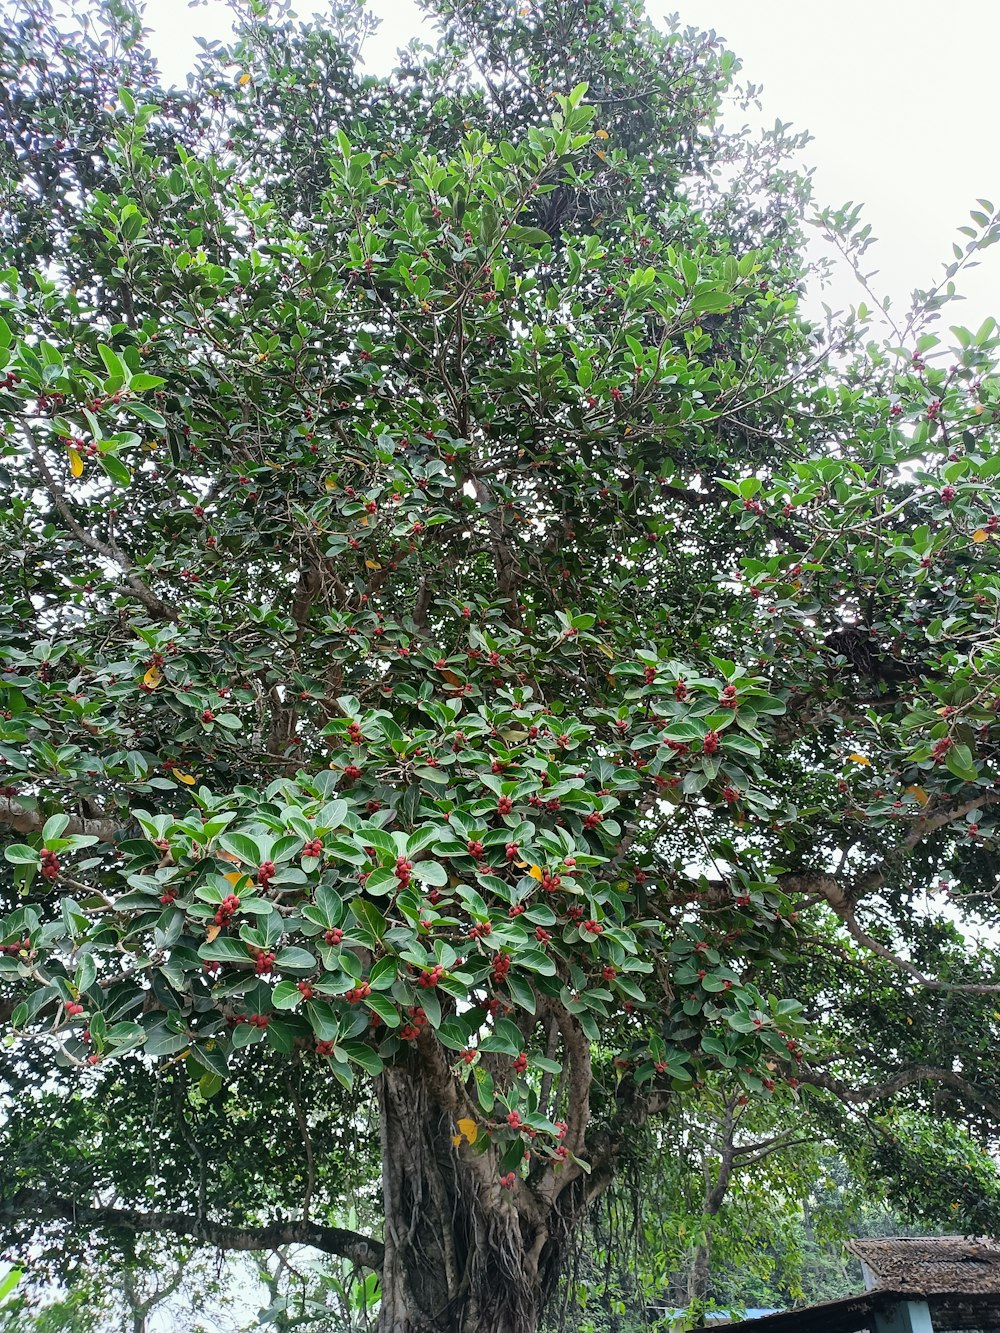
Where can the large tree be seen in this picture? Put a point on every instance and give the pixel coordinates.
(469, 642)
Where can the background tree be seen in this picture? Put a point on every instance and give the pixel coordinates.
(464, 629)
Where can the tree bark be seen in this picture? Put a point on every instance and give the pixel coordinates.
(462, 1254)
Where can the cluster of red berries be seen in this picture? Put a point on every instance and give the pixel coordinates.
(10, 380)
(73, 1009)
(941, 749)
(504, 805)
(948, 494)
(728, 699)
(404, 871)
(512, 851)
(507, 1181)
(501, 966)
(711, 742)
(417, 1020)
(593, 819)
(313, 848)
(521, 1063)
(352, 771)
(50, 864)
(167, 897)
(227, 909)
(265, 961)
(358, 993)
(478, 931)
(430, 977)
(730, 795)
(266, 871)
(354, 734)
(305, 989)
(475, 848)
(517, 910)
(542, 935)
(574, 912)
(593, 927)
(333, 937)
(19, 946)
(550, 882)
(324, 1048)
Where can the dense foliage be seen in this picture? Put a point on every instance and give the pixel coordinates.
(464, 629)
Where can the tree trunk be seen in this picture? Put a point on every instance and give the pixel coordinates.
(462, 1254)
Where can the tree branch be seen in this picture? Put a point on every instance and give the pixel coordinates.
(31, 821)
(153, 604)
(39, 1206)
(905, 1078)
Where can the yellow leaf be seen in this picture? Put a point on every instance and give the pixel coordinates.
(364, 520)
(918, 794)
(599, 152)
(468, 1129)
(859, 759)
(211, 931)
(456, 1140)
(186, 778)
(75, 463)
(606, 651)
(601, 134)
(535, 872)
(244, 80)
(153, 677)
(372, 564)
(331, 484)
(980, 535)
(234, 877)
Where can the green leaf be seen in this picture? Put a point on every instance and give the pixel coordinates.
(286, 995)
(21, 855)
(385, 1009)
(112, 363)
(241, 845)
(115, 469)
(54, 827)
(148, 414)
(224, 950)
(360, 1054)
(294, 960)
(535, 961)
(959, 761)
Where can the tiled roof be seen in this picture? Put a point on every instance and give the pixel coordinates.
(931, 1264)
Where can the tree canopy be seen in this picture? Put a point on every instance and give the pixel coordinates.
(485, 679)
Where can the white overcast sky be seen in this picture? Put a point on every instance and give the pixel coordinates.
(900, 98)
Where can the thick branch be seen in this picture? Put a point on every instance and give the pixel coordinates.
(31, 821)
(905, 1078)
(39, 1206)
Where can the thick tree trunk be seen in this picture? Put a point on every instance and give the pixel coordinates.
(462, 1255)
